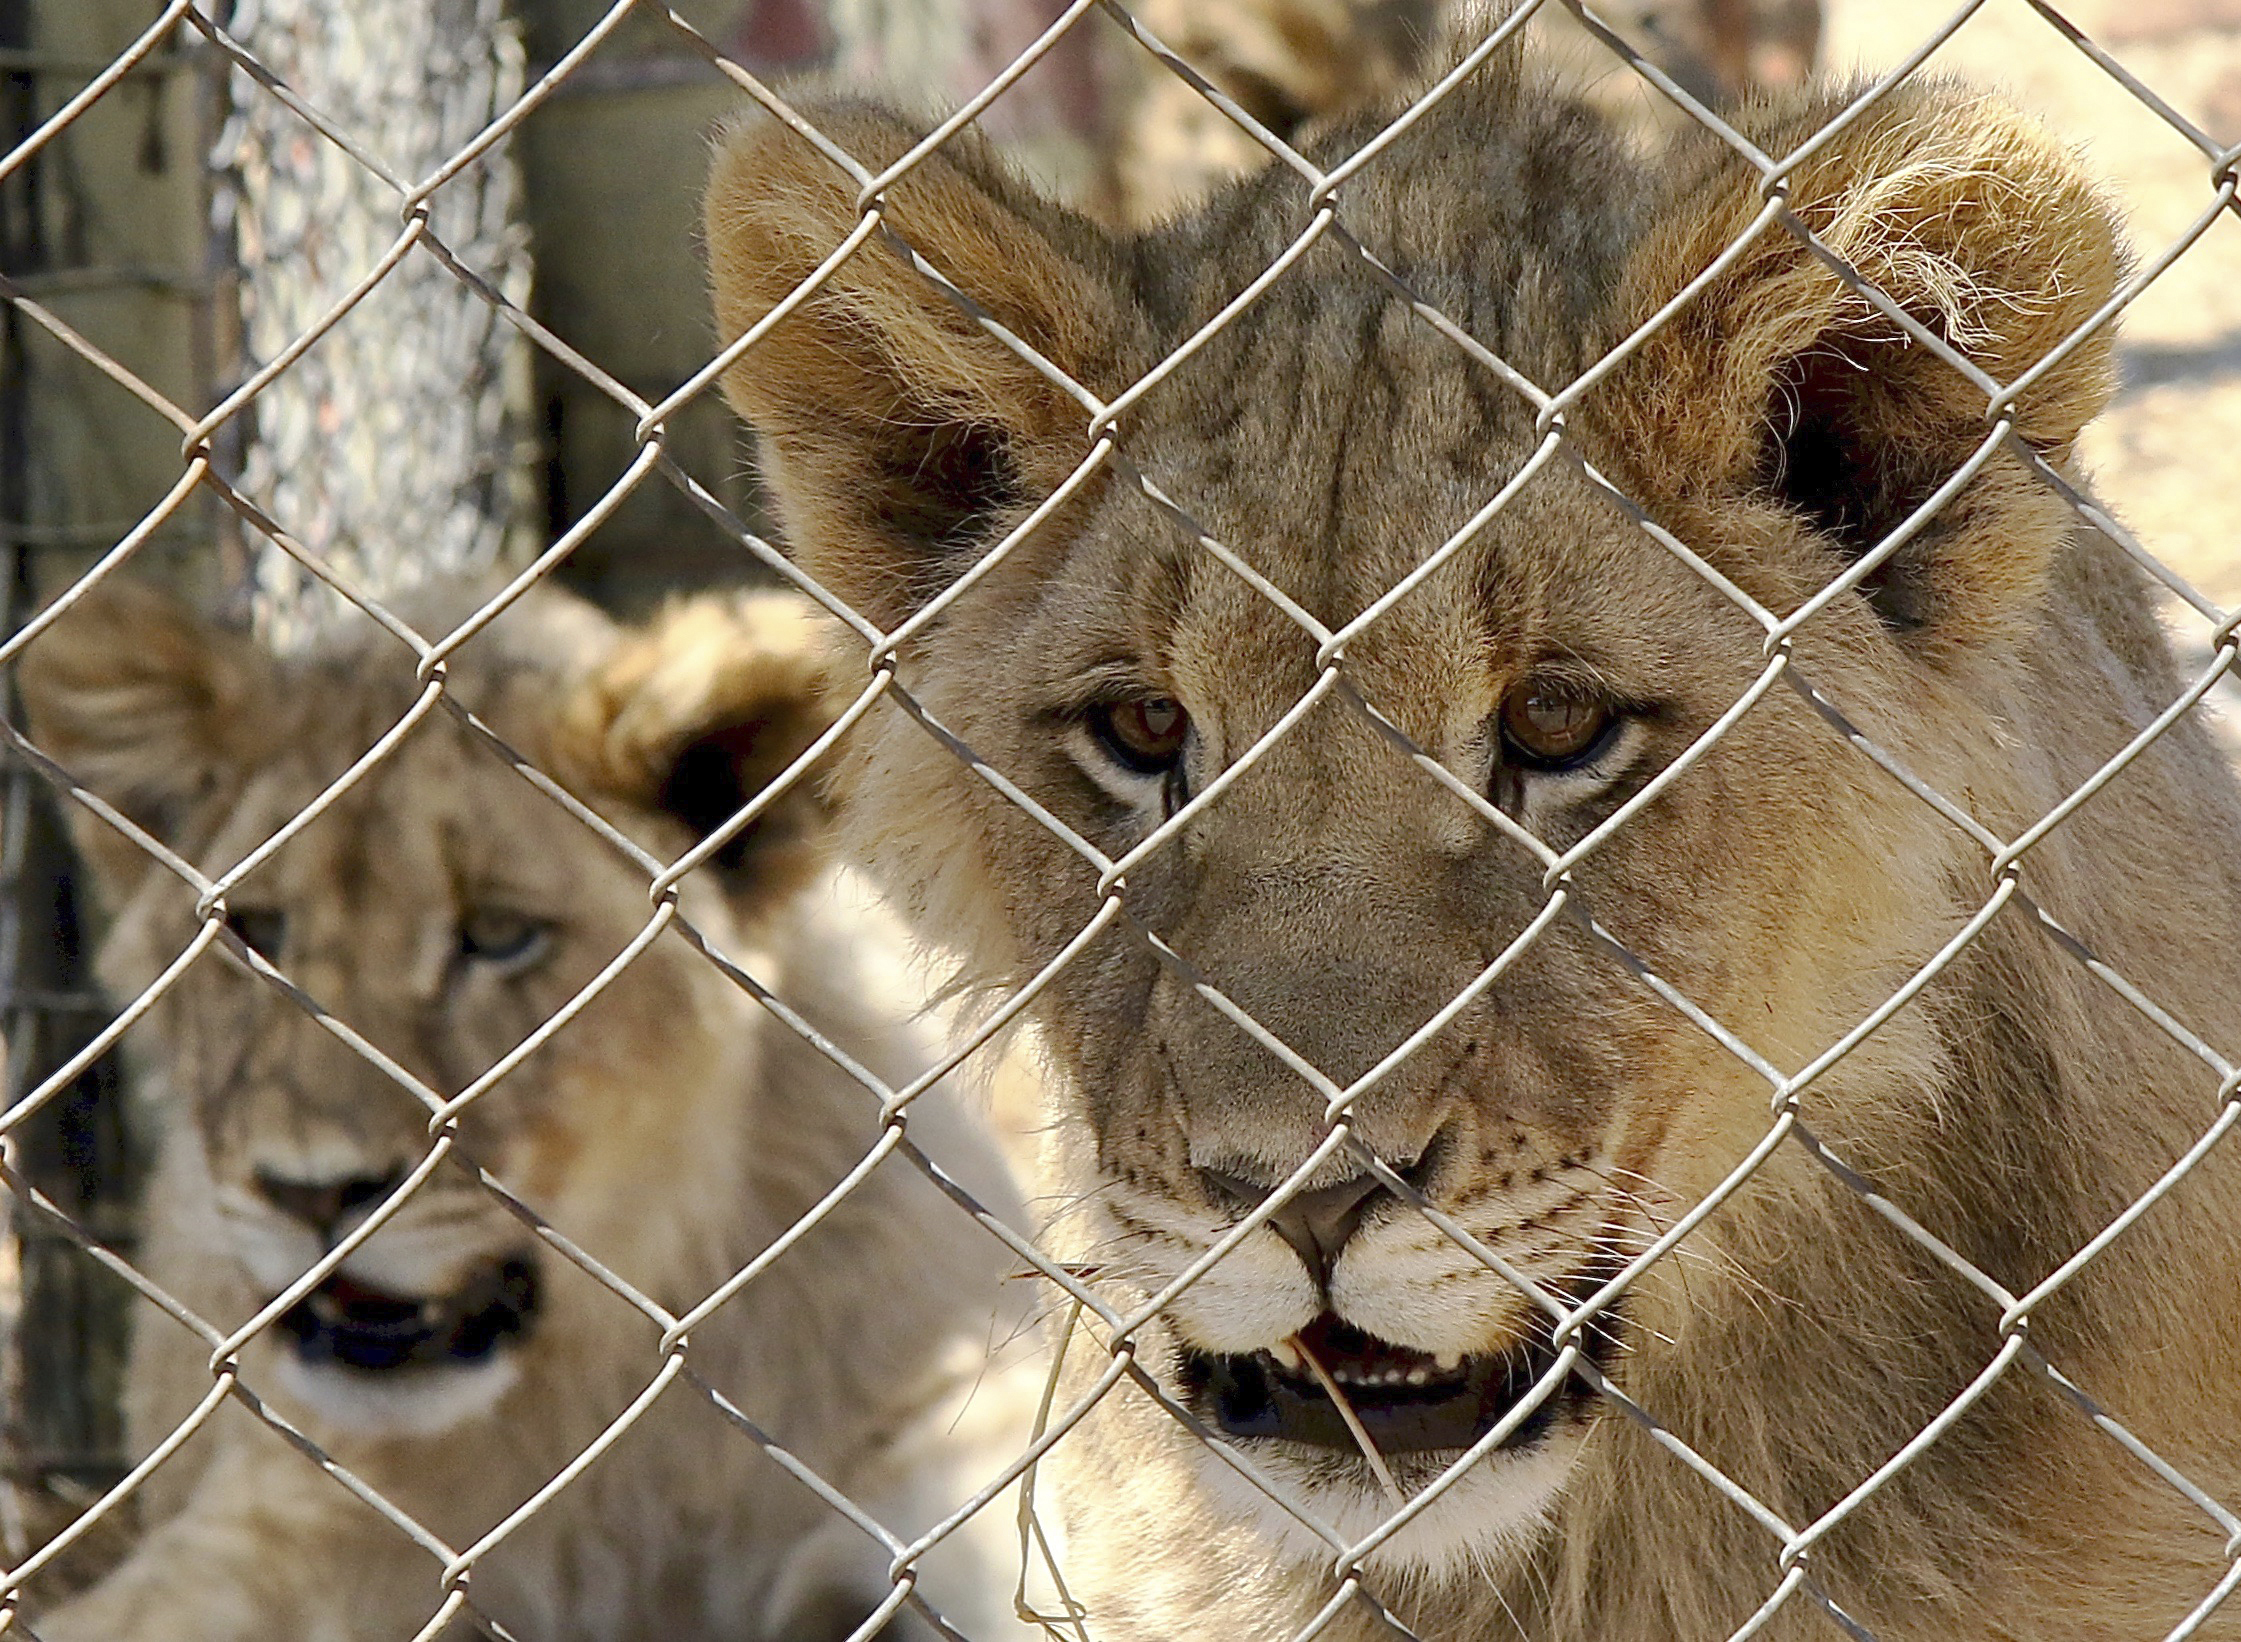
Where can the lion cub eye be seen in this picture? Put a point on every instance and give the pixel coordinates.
(261, 929)
(1549, 727)
(1144, 734)
(511, 940)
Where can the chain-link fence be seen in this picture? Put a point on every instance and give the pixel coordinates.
(1617, 913)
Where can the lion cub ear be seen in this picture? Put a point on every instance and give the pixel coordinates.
(697, 712)
(897, 435)
(152, 709)
(1780, 382)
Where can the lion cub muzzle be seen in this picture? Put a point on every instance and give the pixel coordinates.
(355, 1326)
(1408, 1401)
(362, 1326)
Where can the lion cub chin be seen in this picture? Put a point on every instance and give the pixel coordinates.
(428, 1403)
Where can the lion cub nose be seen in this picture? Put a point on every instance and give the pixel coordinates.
(1316, 1224)
(324, 1204)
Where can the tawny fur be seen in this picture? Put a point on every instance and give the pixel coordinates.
(673, 1130)
(1781, 426)
(1288, 63)
(1298, 66)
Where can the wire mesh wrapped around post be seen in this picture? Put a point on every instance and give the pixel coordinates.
(1592, 906)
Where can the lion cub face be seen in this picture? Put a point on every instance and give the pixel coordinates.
(441, 910)
(1345, 888)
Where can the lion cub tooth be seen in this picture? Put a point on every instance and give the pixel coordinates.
(1447, 1362)
(1288, 1357)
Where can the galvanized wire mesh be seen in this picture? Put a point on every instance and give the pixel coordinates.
(1099, 1320)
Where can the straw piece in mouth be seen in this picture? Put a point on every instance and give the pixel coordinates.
(1352, 1419)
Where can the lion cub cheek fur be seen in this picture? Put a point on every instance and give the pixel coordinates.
(1781, 426)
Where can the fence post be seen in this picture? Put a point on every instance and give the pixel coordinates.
(396, 449)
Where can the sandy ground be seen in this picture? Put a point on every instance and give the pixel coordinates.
(2168, 453)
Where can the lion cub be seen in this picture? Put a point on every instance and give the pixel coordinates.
(1557, 1105)
(456, 1361)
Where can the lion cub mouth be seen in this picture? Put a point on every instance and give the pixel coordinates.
(1409, 1402)
(353, 1325)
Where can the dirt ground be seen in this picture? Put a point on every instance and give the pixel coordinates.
(2168, 453)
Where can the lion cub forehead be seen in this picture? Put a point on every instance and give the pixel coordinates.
(1336, 444)
(438, 818)
(1554, 573)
